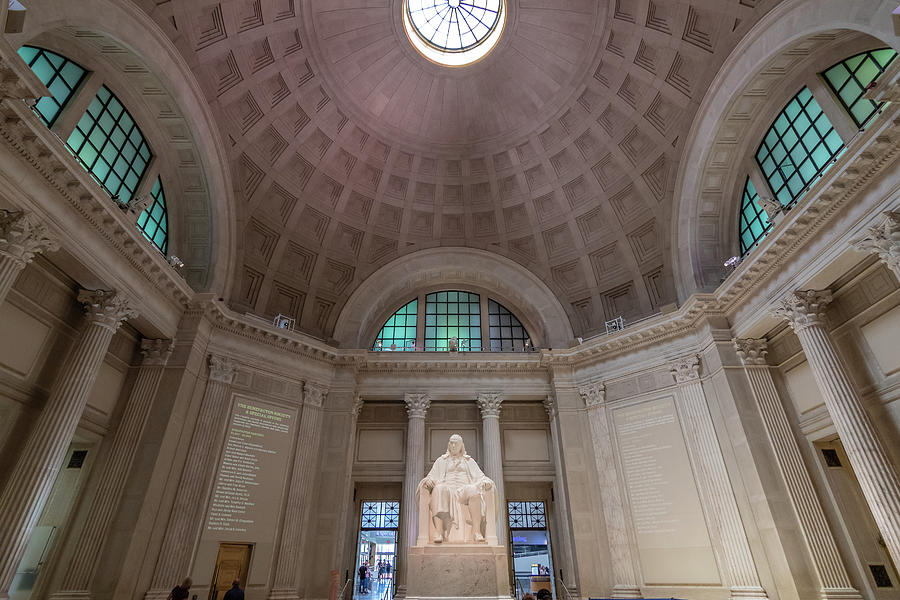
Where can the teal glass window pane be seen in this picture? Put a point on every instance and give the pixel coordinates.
(153, 222)
(507, 334)
(849, 79)
(399, 332)
(800, 145)
(753, 223)
(455, 313)
(111, 147)
(61, 76)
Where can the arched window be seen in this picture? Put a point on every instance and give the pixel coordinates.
(399, 332)
(110, 145)
(799, 146)
(449, 315)
(61, 76)
(506, 332)
(452, 315)
(849, 79)
(153, 222)
(754, 222)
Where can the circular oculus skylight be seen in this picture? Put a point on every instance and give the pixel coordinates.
(454, 32)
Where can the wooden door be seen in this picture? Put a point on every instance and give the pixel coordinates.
(232, 563)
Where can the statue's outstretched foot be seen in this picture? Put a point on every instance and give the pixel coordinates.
(438, 539)
(479, 537)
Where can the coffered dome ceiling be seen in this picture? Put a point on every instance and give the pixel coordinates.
(558, 150)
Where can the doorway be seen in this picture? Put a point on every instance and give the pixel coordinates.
(232, 564)
(530, 548)
(878, 573)
(376, 550)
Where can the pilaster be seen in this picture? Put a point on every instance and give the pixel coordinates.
(713, 480)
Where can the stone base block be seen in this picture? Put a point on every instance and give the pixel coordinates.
(471, 571)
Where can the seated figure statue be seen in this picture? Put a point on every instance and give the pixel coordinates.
(457, 502)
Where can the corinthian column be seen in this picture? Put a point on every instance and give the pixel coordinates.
(566, 547)
(624, 582)
(884, 241)
(713, 479)
(83, 564)
(805, 311)
(186, 519)
(303, 475)
(489, 403)
(21, 237)
(833, 579)
(416, 407)
(29, 485)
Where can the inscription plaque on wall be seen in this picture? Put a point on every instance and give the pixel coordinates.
(673, 542)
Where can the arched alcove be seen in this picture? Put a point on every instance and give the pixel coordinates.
(792, 42)
(504, 280)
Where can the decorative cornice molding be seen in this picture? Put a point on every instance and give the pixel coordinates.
(751, 351)
(686, 369)
(105, 308)
(156, 352)
(804, 308)
(489, 403)
(417, 404)
(29, 138)
(593, 394)
(17, 80)
(221, 369)
(23, 235)
(314, 394)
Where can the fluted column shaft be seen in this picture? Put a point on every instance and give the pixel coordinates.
(186, 519)
(416, 407)
(624, 581)
(714, 482)
(22, 236)
(346, 510)
(826, 560)
(489, 404)
(303, 475)
(566, 546)
(874, 470)
(83, 563)
(29, 486)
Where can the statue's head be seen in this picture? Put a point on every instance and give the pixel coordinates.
(456, 447)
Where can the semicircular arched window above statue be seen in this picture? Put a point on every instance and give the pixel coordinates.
(451, 321)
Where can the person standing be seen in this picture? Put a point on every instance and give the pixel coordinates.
(180, 592)
(362, 578)
(235, 593)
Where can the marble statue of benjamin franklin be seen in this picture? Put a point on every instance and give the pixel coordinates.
(457, 502)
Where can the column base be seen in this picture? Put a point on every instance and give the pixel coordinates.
(71, 595)
(840, 594)
(157, 594)
(749, 593)
(626, 591)
(283, 594)
(573, 592)
(400, 591)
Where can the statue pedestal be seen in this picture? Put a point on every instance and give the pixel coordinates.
(444, 571)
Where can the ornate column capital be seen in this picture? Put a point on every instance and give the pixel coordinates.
(221, 369)
(751, 351)
(417, 404)
(593, 394)
(357, 405)
(22, 236)
(107, 309)
(550, 406)
(314, 394)
(156, 352)
(884, 240)
(686, 369)
(804, 308)
(489, 403)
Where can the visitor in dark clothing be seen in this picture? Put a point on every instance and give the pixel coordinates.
(180, 592)
(235, 593)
